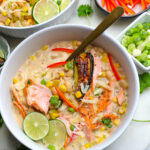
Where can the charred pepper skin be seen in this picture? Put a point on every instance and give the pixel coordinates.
(83, 72)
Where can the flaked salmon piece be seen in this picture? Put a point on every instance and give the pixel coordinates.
(121, 97)
(109, 109)
(38, 96)
(97, 71)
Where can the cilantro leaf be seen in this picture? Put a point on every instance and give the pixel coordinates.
(1, 121)
(144, 81)
(85, 10)
(22, 147)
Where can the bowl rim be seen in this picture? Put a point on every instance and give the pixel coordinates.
(137, 20)
(8, 49)
(44, 23)
(131, 16)
(82, 27)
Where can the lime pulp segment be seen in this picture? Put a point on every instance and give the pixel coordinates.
(64, 4)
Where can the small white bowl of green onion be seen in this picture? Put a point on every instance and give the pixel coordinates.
(4, 51)
(136, 39)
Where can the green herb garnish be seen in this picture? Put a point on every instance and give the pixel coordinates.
(69, 65)
(85, 11)
(144, 81)
(54, 100)
(28, 82)
(71, 109)
(107, 122)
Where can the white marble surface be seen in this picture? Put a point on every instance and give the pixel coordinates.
(137, 135)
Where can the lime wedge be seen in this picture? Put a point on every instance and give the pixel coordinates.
(2, 54)
(36, 126)
(64, 4)
(57, 134)
(44, 10)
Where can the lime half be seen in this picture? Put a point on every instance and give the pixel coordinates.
(57, 134)
(64, 4)
(36, 126)
(44, 10)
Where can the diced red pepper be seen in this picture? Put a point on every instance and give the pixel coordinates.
(58, 64)
(63, 50)
(113, 68)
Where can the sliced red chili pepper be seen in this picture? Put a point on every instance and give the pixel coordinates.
(63, 50)
(58, 64)
(113, 68)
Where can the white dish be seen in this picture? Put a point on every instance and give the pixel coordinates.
(143, 18)
(49, 36)
(23, 32)
(4, 44)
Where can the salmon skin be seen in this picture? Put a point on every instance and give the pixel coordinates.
(83, 72)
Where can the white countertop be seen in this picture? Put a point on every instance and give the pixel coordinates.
(137, 135)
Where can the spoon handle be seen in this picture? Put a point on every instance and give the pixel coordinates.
(107, 22)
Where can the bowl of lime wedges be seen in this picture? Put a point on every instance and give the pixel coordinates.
(33, 15)
(4, 51)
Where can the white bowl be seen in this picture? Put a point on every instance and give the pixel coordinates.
(145, 17)
(23, 32)
(4, 44)
(49, 36)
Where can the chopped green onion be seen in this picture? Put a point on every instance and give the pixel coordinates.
(43, 82)
(72, 127)
(54, 100)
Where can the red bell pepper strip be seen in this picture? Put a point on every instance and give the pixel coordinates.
(63, 50)
(58, 64)
(72, 137)
(103, 3)
(63, 97)
(113, 68)
(66, 142)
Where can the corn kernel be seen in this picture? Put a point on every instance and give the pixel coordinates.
(103, 74)
(91, 97)
(117, 65)
(25, 9)
(63, 88)
(100, 139)
(4, 1)
(53, 114)
(102, 129)
(104, 136)
(74, 43)
(30, 20)
(32, 57)
(49, 84)
(116, 122)
(4, 13)
(125, 104)
(45, 47)
(62, 74)
(115, 100)
(15, 80)
(78, 94)
(105, 58)
(87, 145)
(122, 110)
(123, 77)
(8, 21)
